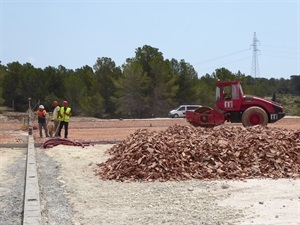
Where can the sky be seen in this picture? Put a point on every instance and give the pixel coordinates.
(207, 34)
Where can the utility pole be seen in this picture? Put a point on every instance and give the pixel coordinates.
(30, 128)
(255, 66)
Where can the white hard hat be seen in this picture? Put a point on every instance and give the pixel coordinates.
(41, 107)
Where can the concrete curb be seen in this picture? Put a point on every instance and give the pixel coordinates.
(32, 210)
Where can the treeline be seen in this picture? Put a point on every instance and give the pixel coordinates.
(146, 85)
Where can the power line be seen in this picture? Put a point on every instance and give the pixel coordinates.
(223, 56)
(225, 63)
(282, 57)
(277, 47)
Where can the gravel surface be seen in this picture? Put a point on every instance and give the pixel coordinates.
(12, 167)
(55, 207)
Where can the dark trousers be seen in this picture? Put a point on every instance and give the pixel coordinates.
(41, 127)
(61, 125)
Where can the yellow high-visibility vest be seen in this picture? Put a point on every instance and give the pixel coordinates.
(62, 114)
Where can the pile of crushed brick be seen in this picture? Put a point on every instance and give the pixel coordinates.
(186, 152)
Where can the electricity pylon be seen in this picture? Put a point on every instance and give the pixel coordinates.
(255, 66)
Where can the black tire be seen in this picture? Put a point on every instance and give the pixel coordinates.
(175, 116)
(255, 116)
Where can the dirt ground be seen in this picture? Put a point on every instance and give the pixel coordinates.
(94, 201)
(91, 129)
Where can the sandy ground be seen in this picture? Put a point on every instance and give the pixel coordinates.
(94, 201)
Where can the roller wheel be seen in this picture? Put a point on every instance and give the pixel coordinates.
(254, 116)
(203, 110)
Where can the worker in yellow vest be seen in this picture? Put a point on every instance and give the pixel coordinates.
(64, 118)
(55, 117)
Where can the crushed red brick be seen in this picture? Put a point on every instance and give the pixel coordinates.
(186, 152)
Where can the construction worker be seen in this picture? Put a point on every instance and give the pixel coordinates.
(55, 118)
(64, 118)
(41, 113)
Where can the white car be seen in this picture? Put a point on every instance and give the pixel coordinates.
(179, 112)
